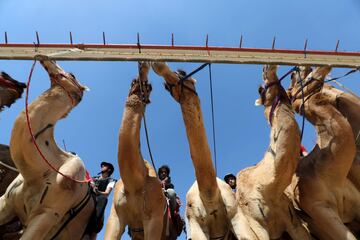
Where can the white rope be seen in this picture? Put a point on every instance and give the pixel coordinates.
(345, 88)
(9, 167)
(72, 50)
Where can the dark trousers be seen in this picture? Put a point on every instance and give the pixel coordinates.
(101, 202)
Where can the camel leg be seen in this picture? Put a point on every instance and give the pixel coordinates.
(115, 226)
(40, 225)
(328, 225)
(6, 212)
(153, 228)
(241, 227)
(196, 232)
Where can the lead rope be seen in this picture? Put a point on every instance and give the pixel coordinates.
(32, 135)
(302, 105)
(144, 121)
(213, 117)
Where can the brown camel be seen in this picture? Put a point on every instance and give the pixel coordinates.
(211, 208)
(260, 189)
(139, 201)
(10, 91)
(349, 106)
(320, 186)
(41, 198)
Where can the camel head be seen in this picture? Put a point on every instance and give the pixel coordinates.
(270, 88)
(303, 76)
(10, 90)
(175, 82)
(301, 73)
(140, 85)
(67, 81)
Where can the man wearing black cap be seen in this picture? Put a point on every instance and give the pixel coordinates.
(230, 179)
(102, 186)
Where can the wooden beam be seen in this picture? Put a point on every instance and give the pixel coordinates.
(136, 52)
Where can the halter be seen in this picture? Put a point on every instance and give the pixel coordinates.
(281, 95)
(169, 86)
(58, 76)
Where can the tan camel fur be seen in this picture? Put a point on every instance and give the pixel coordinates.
(211, 208)
(138, 201)
(349, 106)
(40, 197)
(260, 188)
(320, 186)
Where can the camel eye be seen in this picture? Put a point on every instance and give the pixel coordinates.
(72, 75)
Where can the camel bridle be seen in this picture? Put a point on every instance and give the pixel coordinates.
(79, 90)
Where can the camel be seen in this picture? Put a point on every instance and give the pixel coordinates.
(349, 106)
(320, 186)
(260, 188)
(211, 209)
(10, 91)
(48, 204)
(139, 201)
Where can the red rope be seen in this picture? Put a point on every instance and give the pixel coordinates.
(32, 135)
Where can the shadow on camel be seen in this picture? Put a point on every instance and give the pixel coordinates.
(260, 189)
(139, 201)
(211, 209)
(42, 199)
(320, 186)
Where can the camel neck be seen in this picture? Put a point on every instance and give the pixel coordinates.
(131, 164)
(50, 107)
(44, 112)
(282, 154)
(335, 136)
(199, 147)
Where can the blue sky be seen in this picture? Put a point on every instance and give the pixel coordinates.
(241, 129)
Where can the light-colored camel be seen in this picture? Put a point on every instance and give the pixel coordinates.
(139, 201)
(41, 198)
(211, 208)
(260, 189)
(320, 186)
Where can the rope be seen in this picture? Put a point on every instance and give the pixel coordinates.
(213, 117)
(195, 71)
(345, 88)
(32, 135)
(9, 167)
(144, 121)
(346, 74)
(302, 105)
